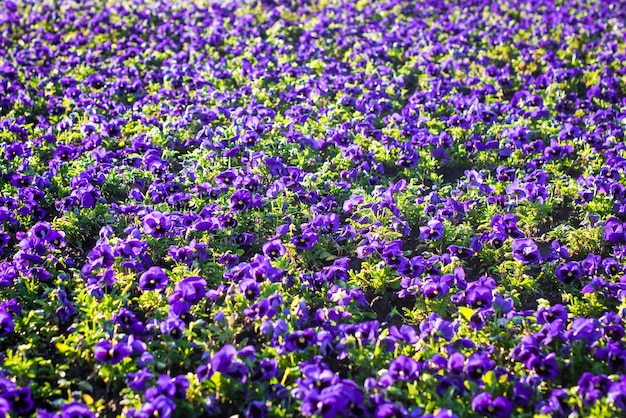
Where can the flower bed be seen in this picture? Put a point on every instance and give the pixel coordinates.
(286, 208)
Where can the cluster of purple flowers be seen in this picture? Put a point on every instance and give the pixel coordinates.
(291, 208)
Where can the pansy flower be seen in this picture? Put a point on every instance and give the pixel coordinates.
(569, 272)
(6, 323)
(21, 400)
(191, 289)
(479, 297)
(403, 368)
(498, 407)
(304, 241)
(432, 231)
(139, 380)
(525, 250)
(299, 340)
(478, 364)
(76, 410)
(593, 387)
(225, 361)
(274, 249)
(156, 224)
(614, 231)
(153, 279)
(106, 352)
(241, 200)
(545, 367)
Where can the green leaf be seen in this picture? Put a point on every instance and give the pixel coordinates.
(489, 378)
(63, 348)
(467, 312)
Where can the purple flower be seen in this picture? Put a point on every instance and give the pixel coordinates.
(225, 362)
(267, 369)
(559, 250)
(274, 249)
(593, 388)
(462, 253)
(406, 333)
(153, 279)
(128, 321)
(191, 289)
(243, 239)
(435, 287)
(173, 327)
(393, 255)
(478, 364)
(500, 407)
(557, 404)
(227, 178)
(569, 272)
(256, 409)
(241, 200)
(160, 406)
(156, 224)
(545, 315)
(86, 196)
(584, 329)
(105, 352)
(617, 393)
(6, 323)
(479, 297)
(545, 367)
(614, 355)
(21, 401)
(299, 340)
(5, 408)
(250, 289)
(222, 359)
(76, 410)
(304, 241)
(403, 368)
(611, 267)
(389, 410)
(525, 250)
(432, 231)
(137, 381)
(456, 363)
(614, 231)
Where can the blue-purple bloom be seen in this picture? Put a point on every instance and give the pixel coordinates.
(525, 250)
